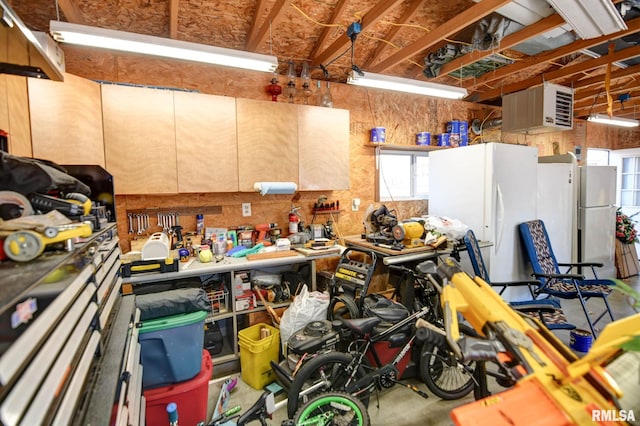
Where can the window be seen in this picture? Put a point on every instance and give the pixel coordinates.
(403, 175)
(630, 184)
(597, 157)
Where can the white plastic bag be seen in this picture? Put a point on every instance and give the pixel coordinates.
(306, 307)
(453, 229)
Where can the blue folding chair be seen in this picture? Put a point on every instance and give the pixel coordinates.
(563, 285)
(548, 311)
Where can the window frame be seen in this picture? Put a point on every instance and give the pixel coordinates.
(634, 175)
(413, 175)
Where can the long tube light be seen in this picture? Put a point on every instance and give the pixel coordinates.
(614, 121)
(65, 32)
(400, 84)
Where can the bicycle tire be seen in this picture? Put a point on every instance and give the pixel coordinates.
(347, 409)
(330, 362)
(447, 381)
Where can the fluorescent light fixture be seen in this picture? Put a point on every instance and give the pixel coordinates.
(590, 18)
(614, 121)
(400, 84)
(64, 32)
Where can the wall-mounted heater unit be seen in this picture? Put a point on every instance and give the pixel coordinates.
(546, 108)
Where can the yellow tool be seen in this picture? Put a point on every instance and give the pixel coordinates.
(549, 377)
(25, 245)
(409, 233)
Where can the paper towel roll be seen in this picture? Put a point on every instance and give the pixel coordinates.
(275, 187)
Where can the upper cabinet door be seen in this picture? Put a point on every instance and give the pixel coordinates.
(267, 142)
(66, 120)
(139, 135)
(14, 114)
(323, 136)
(207, 153)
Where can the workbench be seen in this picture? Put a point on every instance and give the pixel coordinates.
(228, 316)
(410, 255)
(394, 257)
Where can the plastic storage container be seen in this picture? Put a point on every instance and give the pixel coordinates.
(191, 396)
(256, 353)
(171, 348)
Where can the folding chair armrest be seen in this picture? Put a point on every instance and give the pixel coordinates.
(516, 283)
(535, 308)
(560, 276)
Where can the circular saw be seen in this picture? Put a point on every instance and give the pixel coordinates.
(381, 222)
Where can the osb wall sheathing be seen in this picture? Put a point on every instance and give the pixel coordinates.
(401, 114)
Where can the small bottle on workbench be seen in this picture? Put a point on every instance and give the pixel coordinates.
(200, 225)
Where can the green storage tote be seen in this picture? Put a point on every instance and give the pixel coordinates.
(171, 348)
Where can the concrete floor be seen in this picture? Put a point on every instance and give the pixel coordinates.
(402, 407)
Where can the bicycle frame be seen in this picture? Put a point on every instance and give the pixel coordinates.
(369, 349)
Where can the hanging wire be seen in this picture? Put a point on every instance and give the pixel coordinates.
(595, 99)
(57, 11)
(313, 20)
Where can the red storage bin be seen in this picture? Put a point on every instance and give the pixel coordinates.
(191, 396)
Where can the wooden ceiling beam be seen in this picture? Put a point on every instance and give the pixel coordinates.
(261, 10)
(408, 14)
(338, 11)
(590, 64)
(630, 106)
(173, 18)
(71, 11)
(529, 32)
(599, 79)
(452, 26)
(368, 19)
(617, 83)
(599, 97)
(548, 56)
(256, 38)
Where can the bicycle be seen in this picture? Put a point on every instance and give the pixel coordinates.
(326, 409)
(440, 368)
(380, 356)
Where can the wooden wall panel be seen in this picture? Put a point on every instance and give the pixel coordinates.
(402, 114)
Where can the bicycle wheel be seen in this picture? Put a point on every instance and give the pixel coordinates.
(332, 408)
(442, 372)
(329, 368)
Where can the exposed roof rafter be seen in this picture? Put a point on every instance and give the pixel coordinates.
(461, 21)
(257, 38)
(368, 19)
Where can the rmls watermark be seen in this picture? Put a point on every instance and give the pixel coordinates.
(613, 416)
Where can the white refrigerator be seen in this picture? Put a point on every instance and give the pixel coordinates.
(558, 192)
(597, 218)
(492, 189)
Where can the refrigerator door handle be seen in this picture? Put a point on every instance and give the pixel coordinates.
(499, 225)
